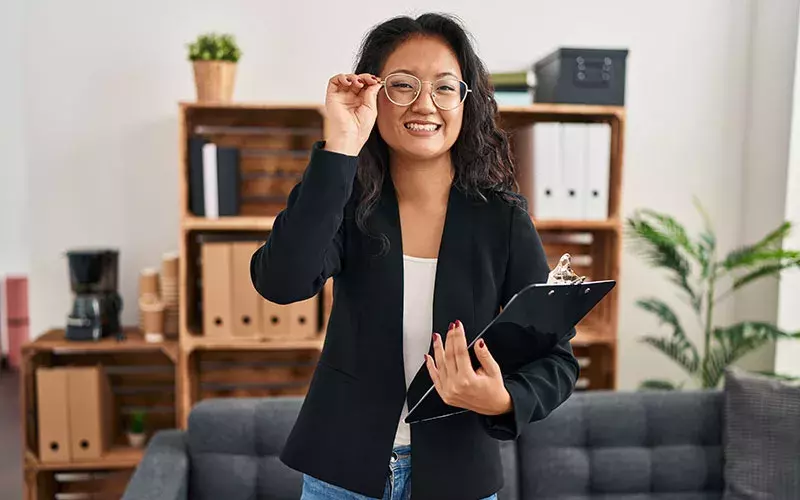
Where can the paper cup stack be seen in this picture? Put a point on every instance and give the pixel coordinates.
(169, 293)
(148, 290)
(152, 310)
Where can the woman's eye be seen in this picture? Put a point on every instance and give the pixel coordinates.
(445, 89)
(401, 86)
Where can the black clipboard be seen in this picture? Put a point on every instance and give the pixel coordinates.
(533, 321)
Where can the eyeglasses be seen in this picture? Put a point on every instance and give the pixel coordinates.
(447, 93)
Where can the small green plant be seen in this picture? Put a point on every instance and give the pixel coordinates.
(214, 47)
(137, 422)
(693, 266)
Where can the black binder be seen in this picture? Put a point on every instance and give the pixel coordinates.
(535, 319)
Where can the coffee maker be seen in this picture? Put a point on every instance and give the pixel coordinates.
(97, 304)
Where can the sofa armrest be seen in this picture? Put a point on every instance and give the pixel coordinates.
(163, 473)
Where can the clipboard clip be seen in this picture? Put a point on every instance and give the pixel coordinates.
(563, 274)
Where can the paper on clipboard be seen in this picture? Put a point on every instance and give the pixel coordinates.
(533, 321)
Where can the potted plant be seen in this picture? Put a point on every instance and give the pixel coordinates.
(136, 434)
(704, 280)
(214, 58)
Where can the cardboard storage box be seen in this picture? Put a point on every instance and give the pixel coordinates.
(74, 413)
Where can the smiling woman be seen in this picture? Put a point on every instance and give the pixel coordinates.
(409, 205)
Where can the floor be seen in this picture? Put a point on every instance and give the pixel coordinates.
(10, 454)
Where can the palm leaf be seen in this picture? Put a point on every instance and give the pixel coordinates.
(667, 316)
(675, 350)
(734, 342)
(673, 230)
(658, 385)
(763, 271)
(723, 355)
(661, 251)
(768, 248)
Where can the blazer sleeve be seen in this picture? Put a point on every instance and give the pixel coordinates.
(305, 246)
(539, 387)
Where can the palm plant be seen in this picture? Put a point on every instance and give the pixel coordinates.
(693, 266)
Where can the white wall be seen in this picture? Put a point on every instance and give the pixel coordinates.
(13, 176)
(787, 353)
(766, 152)
(103, 78)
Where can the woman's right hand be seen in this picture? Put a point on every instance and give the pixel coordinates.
(351, 106)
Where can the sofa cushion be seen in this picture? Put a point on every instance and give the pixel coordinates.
(625, 445)
(762, 437)
(233, 447)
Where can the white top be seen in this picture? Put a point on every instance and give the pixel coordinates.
(418, 282)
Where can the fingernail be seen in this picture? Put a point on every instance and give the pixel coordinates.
(480, 343)
(434, 336)
(360, 80)
(458, 323)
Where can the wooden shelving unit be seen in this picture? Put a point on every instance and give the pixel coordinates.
(169, 378)
(142, 376)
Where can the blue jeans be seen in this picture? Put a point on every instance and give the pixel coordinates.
(398, 484)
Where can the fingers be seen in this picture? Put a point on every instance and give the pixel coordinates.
(354, 83)
(488, 363)
(438, 352)
(450, 352)
(434, 373)
(457, 341)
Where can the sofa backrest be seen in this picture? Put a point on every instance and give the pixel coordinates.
(625, 445)
(233, 447)
(598, 444)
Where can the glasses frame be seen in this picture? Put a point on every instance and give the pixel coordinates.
(433, 92)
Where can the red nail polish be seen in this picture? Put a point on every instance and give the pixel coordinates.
(451, 326)
(480, 343)
(458, 323)
(434, 336)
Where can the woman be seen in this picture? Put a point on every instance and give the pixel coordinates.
(408, 205)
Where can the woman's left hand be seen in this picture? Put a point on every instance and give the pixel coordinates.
(458, 384)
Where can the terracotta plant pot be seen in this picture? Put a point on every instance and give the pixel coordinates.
(214, 80)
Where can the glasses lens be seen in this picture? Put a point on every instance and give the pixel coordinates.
(402, 89)
(448, 93)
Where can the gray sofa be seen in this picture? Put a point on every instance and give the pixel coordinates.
(597, 445)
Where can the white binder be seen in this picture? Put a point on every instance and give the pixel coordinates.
(598, 166)
(547, 171)
(573, 170)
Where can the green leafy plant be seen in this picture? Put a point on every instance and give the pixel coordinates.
(214, 47)
(137, 422)
(704, 280)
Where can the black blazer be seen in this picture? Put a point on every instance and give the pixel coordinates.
(345, 430)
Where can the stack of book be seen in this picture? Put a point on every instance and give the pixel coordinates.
(513, 88)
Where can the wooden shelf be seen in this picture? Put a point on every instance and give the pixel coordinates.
(585, 110)
(118, 457)
(233, 223)
(576, 225)
(254, 106)
(202, 343)
(54, 341)
(589, 336)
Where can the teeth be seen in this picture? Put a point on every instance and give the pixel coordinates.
(417, 126)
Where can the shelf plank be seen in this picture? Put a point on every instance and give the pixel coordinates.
(56, 342)
(118, 457)
(576, 225)
(533, 109)
(588, 336)
(587, 110)
(263, 344)
(265, 223)
(232, 223)
(254, 106)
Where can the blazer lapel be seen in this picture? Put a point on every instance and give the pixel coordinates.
(453, 290)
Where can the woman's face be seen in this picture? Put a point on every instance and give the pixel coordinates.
(406, 129)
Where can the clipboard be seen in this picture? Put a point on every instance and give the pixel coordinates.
(530, 325)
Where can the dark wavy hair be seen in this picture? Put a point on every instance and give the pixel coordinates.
(481, 154)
